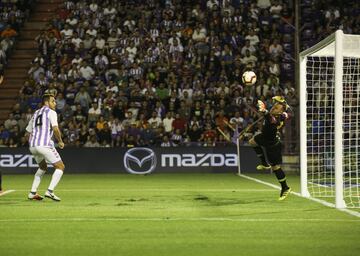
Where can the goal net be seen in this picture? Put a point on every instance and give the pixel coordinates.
(330, 122)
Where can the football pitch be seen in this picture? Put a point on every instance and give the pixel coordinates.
(170, 214)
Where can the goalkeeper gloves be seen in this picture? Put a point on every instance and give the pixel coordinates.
(285, 115)
(262, 107)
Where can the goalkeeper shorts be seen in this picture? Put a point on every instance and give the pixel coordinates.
(272, 149)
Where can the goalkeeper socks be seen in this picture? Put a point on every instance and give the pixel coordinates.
(55, 179)
(280, 175)
(260, 153)
(37, 179)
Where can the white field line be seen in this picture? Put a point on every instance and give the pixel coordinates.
(214, 219)
(7, 192)
(160, 190)
(320, 185)
(354, 213)
(333, 185)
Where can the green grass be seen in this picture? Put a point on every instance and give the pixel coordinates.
(170, 214)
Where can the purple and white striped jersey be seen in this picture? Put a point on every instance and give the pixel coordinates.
(40, 127)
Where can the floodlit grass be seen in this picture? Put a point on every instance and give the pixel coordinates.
(170, 214)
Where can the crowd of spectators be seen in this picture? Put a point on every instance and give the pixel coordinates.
(13, 14)
(167, 73)
(323, 17)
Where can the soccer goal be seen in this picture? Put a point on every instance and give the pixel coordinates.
(330, 121)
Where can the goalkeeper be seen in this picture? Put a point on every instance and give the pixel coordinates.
(268, 143)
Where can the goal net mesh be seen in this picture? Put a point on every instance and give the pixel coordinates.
(320, 83)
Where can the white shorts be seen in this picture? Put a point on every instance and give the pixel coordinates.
(48, 153)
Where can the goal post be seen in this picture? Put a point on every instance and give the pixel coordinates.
(329, 120)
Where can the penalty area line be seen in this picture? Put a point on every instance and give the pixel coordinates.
(353, 213)
(7, 192)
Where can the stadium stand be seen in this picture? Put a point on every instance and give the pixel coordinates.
(23, 51)
(13, 14)
(161, 72)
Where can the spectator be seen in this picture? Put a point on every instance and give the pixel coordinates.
(166, 142)
(179, 123)
(155, 121)
(249, 60)
(35, 71)
(94, 113)
(177, 137)
(83, 98)
(4, 133)
(8, 32)
(237, 121)
(274, 68)
(105, 135)
(101, 123)
(275, 9)
(253, 38)
(194, 133)
(86, 71)
(92, 142)
(275, 49)
(22, 123)
(67, 32)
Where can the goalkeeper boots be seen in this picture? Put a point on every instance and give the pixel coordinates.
(35, 197)
(284, 193)
(262, 167)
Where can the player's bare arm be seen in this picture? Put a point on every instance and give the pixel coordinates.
(57, 135)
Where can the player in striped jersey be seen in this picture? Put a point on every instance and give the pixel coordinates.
(41, 128)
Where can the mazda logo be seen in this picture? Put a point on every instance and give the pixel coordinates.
(140, 160)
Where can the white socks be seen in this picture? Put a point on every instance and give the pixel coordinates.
(55, 179)
(37, 179)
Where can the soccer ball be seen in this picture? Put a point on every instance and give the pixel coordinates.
(249, 78)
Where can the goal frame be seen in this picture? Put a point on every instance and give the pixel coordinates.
(330, 46)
